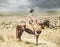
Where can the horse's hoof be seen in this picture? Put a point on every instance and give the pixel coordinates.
(19, 40)
(36, 44)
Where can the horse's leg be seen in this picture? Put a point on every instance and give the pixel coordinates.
(17, 33)
(43, 26)
(37, 40)
(20, 34)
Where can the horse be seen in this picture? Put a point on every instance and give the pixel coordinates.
(31, 28)
(34, 28)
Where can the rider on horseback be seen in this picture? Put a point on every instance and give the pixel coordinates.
(30, 16)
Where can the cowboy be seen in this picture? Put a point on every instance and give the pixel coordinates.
(30, 16)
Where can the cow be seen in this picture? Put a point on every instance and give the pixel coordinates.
(31, 28)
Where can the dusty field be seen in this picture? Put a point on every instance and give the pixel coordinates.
(48, 37)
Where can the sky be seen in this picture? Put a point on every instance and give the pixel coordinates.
(24, 5)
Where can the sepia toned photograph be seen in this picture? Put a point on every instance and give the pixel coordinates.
(29, 23)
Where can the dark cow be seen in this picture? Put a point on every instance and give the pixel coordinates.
(36, 30)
